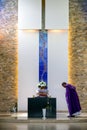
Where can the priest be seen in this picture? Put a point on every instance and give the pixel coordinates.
(72, 100)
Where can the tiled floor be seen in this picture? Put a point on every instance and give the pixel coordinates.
(23, 118)
(43, 126)
(19, 121)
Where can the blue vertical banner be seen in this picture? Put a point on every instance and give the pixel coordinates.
(43, 56)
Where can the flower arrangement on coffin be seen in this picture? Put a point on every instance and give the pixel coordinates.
(42, 83)
(42, 91)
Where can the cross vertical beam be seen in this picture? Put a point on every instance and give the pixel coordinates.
(43, 49)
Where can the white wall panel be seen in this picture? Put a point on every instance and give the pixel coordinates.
(27, 67)
(58, 66)
(29, 14)
(56, 14)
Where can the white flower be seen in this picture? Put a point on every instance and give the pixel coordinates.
(42, 83)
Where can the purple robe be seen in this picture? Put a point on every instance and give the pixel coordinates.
(72, 99)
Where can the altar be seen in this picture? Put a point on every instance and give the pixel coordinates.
(36, 104)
